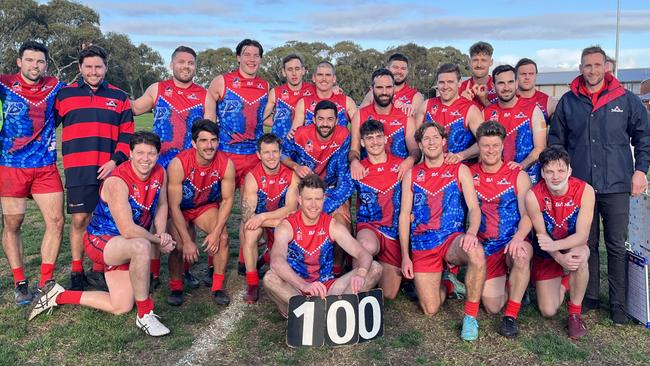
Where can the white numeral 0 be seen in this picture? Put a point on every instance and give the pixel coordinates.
(376, 317)
(349, 322)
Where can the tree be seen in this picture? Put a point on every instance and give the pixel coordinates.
(211, 62)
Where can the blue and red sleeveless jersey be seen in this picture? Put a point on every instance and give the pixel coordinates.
(271, 188)
(202, 184)
(439, 207)
(517, 121)
(241, 113)
(311, 250)
(28, 134)
(174, 114)
(454, 119)
(285, 104)
(560, 212)
(497, 196)
(405, 95)
(379, 196)
(540, 99)
(143, 200)
(394, 128)
(341, 106)
(491, 92)
(328, 159)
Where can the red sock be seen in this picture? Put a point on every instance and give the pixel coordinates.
(454, 270)
(19, 274)
(144, 306)
(574, 309)
(565, 282)
(69, 297)
(98, 267)
(252, 278)
(512, 309)
(217, 281)
(155, 267)
(77, 265)
(241, 254)
(176, 285)
(448, 285)
(210, 261)
(186, 266)
(471, 308)
(47, 272)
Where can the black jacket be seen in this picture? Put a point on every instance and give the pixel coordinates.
(598, 136)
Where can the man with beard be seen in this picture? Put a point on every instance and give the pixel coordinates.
(435, 198)
(480, 87)
(97, 125)
(301, 261)
(504, 227)
(133, 200)
(282, 101)
(28, 162)
(459, 116)
(561, 208)
(325, 80)
(397, 126)
(270, 194)
(201, 193)
(378, 204)
(524, 123)
(596, 122)
(177, 103)
(406, 97)
(526, 70)
(323, 148)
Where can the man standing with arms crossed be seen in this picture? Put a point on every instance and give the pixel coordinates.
(437, 195)
(596, 122)
(201, 193)
(132, 200)
(176, 103)
(97, 126)
(28, 162)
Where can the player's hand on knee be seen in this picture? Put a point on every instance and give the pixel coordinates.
(211, 243)
(407, 268)
(315, 289)
(468, 242)
(254, 222)
(516, 248)
(190, 252)
(167, 244)
(356, 283)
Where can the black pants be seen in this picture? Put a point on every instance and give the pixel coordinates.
(614, 208)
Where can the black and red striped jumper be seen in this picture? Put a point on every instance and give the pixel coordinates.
(97, 127)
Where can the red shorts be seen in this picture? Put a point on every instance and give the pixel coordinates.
(430, 261)
(327, 284)
(496, 264)
(389, 249)
(545, 269)
(193, 213)
(243, 164)
(94, 248)
(24, 182)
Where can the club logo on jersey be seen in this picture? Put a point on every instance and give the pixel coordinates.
(312, 106)
(477, 179)
(285, 94)
(282, 181)
(192, 97)
(236, 83)
(568, 203)
(155, 184)
(309, 146)
(260, 86)
(617, 109)
(547, 202)
(214, 173)
(494, 116)
(298, 234)
(446, 175)
(395, 123)
(46, 87)
(395, 168)
(322, 232)
(502, 182)
(521, 115)
(334, 145)
(420, 177)
(136, 191)
(263, 179)
(307, 93)
(16, 86)
(202, 174)
(455, 114)
(111, 104)
(169, 91)
(434, 109)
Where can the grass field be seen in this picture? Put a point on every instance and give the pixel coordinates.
(72, 335)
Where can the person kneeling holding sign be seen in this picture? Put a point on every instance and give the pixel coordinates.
(302, 257)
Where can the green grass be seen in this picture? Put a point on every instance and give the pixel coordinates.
(77, 336)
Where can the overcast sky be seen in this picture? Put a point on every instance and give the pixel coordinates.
(550, 31)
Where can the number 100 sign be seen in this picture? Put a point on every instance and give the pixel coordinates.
(337, 320)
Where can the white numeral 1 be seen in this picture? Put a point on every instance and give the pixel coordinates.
(376, 317)
(306, 309)
(349, 322)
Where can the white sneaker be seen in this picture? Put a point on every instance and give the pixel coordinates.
(45, 299)
(150, 324)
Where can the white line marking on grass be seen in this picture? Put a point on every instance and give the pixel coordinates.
(217, 331)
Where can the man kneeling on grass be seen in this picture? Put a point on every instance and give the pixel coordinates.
(302, 257)
(119, 237)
